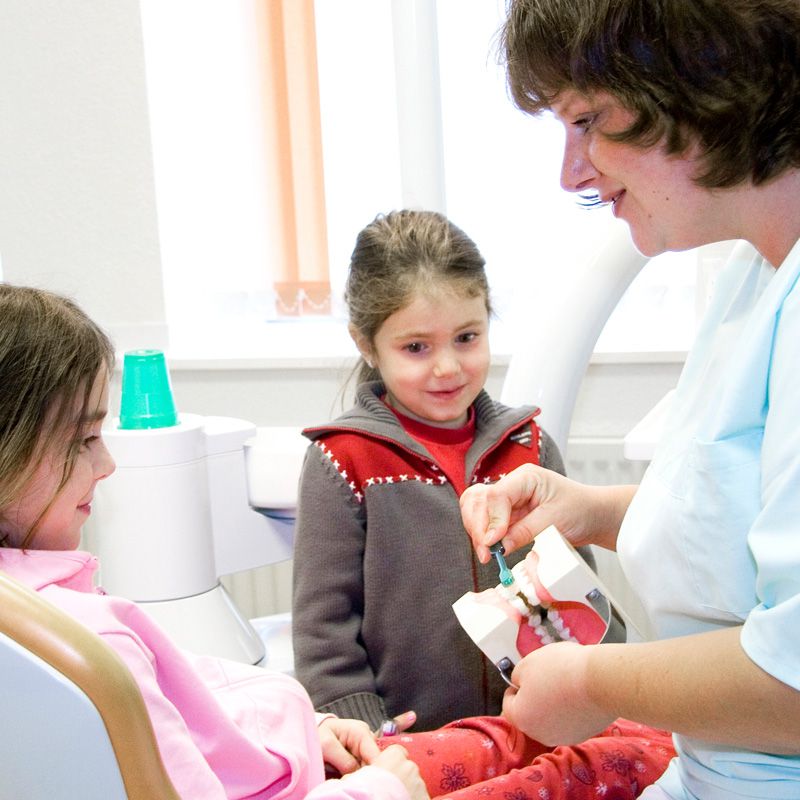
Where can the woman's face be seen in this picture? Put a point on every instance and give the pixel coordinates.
(433, 356)
(652, 191)
(60, 527)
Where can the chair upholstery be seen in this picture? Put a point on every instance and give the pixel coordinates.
(74, 721)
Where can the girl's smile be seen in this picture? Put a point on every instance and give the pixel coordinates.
(56, 515)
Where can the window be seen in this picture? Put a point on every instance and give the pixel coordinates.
(219, 223)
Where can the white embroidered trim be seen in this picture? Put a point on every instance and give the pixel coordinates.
(522, 438)
(378, 479)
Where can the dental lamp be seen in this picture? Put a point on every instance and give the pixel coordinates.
(183, 508)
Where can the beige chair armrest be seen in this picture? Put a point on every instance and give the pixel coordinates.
(86, 660)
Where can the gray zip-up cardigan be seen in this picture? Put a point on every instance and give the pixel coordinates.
(381, 555)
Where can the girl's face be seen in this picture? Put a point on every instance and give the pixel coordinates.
(60, 527)
(652, 191)
(433, 356)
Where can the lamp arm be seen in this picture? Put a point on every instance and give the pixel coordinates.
(548, 367)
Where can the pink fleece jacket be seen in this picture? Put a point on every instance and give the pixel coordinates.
(224, 729)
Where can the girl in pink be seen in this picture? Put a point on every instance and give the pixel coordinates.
(224, 730)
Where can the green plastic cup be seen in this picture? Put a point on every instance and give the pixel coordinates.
(147, 400)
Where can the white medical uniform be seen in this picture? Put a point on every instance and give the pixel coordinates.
(712, 537)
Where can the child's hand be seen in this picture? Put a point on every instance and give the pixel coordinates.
(395, 759)
(347, 744)
(399, 724)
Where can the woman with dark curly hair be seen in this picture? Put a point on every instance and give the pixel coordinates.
(684, 115)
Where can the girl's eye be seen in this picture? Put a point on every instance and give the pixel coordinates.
(585, 122)
(415, 347)
(88, 441)
(466, 338)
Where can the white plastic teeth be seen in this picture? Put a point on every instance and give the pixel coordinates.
(549, 629)
(558, 623)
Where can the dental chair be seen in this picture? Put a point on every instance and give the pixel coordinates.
(75, 722)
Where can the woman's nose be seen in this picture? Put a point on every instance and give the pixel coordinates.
(577, 170)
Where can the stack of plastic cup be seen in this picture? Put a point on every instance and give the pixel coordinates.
(147, 400)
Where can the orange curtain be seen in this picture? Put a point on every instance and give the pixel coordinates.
(293, 135)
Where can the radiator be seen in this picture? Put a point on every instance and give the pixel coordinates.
(268, 590)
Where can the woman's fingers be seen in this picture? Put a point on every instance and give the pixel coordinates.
(494, 512)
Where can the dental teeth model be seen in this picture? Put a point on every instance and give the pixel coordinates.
(551, 596)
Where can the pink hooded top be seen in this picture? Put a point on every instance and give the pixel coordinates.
(224, 729)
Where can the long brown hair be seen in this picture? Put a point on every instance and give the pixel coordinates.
(50, 356)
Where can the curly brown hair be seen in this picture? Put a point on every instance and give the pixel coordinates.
(722, 73)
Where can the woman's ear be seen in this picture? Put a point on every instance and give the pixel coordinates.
(362, 344)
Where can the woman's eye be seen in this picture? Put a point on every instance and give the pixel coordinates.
(585, 122)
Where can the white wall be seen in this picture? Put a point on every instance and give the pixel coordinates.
(77, 204)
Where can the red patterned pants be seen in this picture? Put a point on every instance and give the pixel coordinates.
(480, 758)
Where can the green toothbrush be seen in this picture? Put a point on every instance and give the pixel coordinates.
(497, 550)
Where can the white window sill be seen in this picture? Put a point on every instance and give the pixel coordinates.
(321, 343)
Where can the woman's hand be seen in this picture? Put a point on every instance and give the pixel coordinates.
(552, 704)
(395, 759)
(530, 499)
(347, 744)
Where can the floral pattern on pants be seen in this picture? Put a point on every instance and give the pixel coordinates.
(485, 758)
